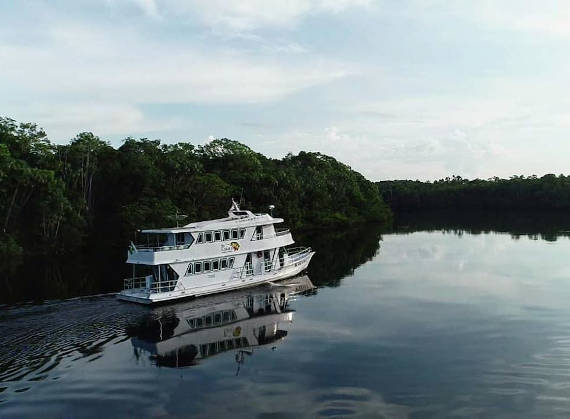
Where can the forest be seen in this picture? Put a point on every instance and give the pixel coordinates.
(549, 192)
(86, 195)
(68, 211)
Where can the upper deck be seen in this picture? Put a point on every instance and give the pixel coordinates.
(241, 231)
(241, 219)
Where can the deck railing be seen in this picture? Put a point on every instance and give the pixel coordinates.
(163, 286)
(294, 255)
(141, 248)
(136, 282)
(297, 253)
(278, 232)
(141, 283)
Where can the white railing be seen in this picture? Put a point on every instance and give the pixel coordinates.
(163, 286)
(293, 256)
(161, 248)
(278, 232)
(133, 283)
(155, 287)
(296, 253)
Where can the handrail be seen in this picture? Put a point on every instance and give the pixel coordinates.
(278, 232)
(155, 287)
(163, 286)
(161, 248)
(295, 250)
(292, 258)
(134, 282)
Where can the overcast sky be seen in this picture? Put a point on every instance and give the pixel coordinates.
(396, 89)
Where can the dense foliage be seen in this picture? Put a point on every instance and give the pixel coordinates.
(58, 199)
(548, 192)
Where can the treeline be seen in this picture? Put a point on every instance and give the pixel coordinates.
(549, 225)
(549, 192)
(60, 199)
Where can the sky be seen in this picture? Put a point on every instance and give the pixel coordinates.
(402, 89)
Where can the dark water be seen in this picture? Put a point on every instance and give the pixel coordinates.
(431, 320)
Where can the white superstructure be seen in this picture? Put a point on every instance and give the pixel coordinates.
(241, 250)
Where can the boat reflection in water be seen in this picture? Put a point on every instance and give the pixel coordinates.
(179, 335)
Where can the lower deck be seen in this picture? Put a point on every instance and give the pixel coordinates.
(148, 289)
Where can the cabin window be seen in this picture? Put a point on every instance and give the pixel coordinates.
(234, 315)
(209, 236)
(230, 263)
(217, 318)
(230, 344)
(200, 238)
(217, 236)
(224, 264)
(267, 260)
(204, 350)
(207, 266)
(199, 322)
(215, 264)
(241, 233)
(259, 232)
(190, 269)
(191, 323)
(234, 234)
(226, 316)
(198, 267)
(208, 321)
(179, 239)
(226, 234)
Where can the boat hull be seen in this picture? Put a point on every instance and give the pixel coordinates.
(143, 296)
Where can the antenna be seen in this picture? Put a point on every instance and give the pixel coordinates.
(178, 217)
(271, 208)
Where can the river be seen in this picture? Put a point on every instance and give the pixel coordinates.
(436, 317)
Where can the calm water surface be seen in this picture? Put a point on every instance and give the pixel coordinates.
(407, 324)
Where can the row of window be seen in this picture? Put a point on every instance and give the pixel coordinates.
(212, 319)
(221, 346)
(222, 235)
(209, 266)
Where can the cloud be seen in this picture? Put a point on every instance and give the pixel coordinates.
(411, 89)
(65, 120)
(431, 138)
(149, 7)
(249, 15)
(547, 17)
(120, 66)
(103, 69)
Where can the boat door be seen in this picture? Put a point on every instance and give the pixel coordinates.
(257, 259)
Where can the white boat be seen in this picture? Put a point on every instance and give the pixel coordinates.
(206, 257)
(182, 334)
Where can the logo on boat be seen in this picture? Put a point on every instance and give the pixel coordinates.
(233, 246)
